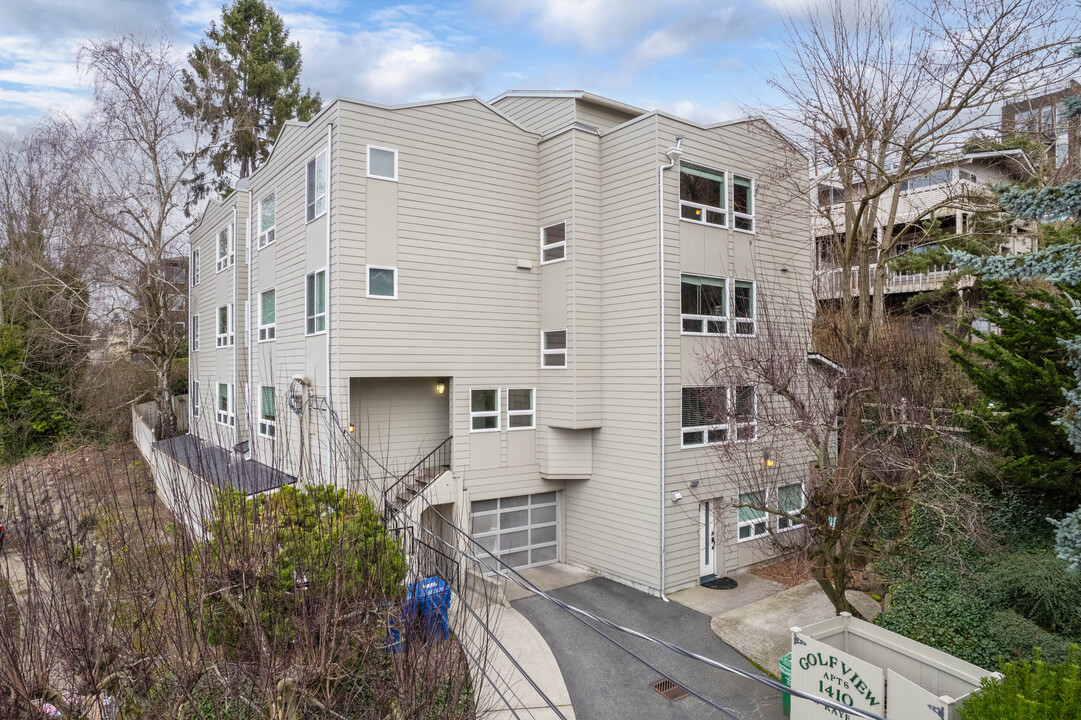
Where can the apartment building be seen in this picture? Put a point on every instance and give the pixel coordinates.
(477, 297)
(1043, 117)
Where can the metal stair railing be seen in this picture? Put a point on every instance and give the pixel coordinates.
(427, 469)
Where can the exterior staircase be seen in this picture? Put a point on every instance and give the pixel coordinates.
(418, 478)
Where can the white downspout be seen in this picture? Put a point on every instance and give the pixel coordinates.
(330, 397)
(252, 420)
(673, 155)
(236, 364)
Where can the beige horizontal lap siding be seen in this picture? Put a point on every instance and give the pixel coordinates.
(599, 116)
(538, 114)
(612, 519)
(782, 240)
(398, 420)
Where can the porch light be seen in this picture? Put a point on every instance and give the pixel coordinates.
(350, 428)
(440, 387)
(767, 459)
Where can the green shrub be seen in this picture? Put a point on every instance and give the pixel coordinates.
(1029, 691)
(1015, 636)
(1039, 587)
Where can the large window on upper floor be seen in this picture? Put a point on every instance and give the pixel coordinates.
(927, 180)
(743, 303)
(267, 222)
(521, 409)
(315, 303)
(267, 326)
(702, 193)
(268, 412)
(226, 413)
(553, 243)
(483, 409)
(195, 332)
(226, 336)
(316, 187)
(703, 305)
(704, 416)
(382, 163)
(742, 203)
(194, 267)
(226, 248)
(554, 349)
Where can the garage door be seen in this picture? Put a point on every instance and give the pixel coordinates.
(520, 530)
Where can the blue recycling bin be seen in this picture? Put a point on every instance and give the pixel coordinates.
(426, 609)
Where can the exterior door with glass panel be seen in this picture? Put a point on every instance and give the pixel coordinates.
(707, 555)
(520, 530)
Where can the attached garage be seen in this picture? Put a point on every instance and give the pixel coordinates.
(519, 530)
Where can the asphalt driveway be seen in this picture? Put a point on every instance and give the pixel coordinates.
(606, 683)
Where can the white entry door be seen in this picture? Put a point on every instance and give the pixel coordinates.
(707, 554)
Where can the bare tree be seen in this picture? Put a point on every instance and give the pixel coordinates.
(881, 93)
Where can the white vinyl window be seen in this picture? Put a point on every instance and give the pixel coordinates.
(226, 405)
(554, 349)
(790, 500)
(521, 414)
(193, 398)
(267, 221)
(382, 282)
(752, 522)
(743, 203)
(226, 248)
(704, 416)
(702, 193)
(226, 336)
(745, 412)
(267, 329)
(743, 303)
(317, 186)
(194, 332)
(483, 409)
(382, 163)
(553, 243)
(703, 305)
(194, 267)
(268, 412)
(315, 303)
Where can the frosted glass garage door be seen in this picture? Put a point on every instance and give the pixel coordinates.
(520, 530)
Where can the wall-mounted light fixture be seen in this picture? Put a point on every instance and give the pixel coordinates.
(350, 427)
(440, 387)
(767, 459)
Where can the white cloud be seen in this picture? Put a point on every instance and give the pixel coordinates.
(691, 31)
(591, 25)
(696, 112)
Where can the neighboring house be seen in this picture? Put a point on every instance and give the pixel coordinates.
(161, 308)
(482, 281)
(942, 191)
(1042, 117)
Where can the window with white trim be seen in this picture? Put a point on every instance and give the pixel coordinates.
(553, 243)
(226, 336)
(315, 303)
(520, 411)
(742, 203)
(226, 405)
(382, 163)
(483, 409)
(194, 267)
(267, 222)
(790, 500)
(382, 282)
(193, 398)
(226, 248)
(745, 412)
(743, 307)
(966, 175)
(751, 522)
(195, 332)
(703, 305)
(554, 348)
(702, 192)
(268, 412)
(316, 186)
(267, 329)
(704, 417)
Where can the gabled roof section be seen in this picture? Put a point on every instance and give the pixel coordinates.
(214, 203)
(1015, 156)
(711, 126)
(573, 95)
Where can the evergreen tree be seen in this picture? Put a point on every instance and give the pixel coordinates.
(243, 84)
(1022, 372)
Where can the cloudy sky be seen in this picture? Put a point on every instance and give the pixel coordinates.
(702, 59)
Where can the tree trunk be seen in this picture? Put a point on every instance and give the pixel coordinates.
(164, 398)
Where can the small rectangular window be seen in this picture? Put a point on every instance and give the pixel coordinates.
(194, 332)
(226, 249)
(382, 163)
(315, 303)
(194, 267)
(743, 304)
(745, 412)
(268, 412)
(483, 409)
(703, 305)
(702, 192)
(520, 410)
(752, 520)
(789, 500)
(226, 336)
(967, 175)
(266, 221)
(382, 282)
(267, 329)
(553, 243)
(743, 203)
(193, 399)
(554, 348)
(705, 416)
(226, 405)
(317, 186)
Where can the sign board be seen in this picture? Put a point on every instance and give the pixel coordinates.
(909, 701)
(829, 673)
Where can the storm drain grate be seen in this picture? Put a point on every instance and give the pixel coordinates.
(669, 690)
